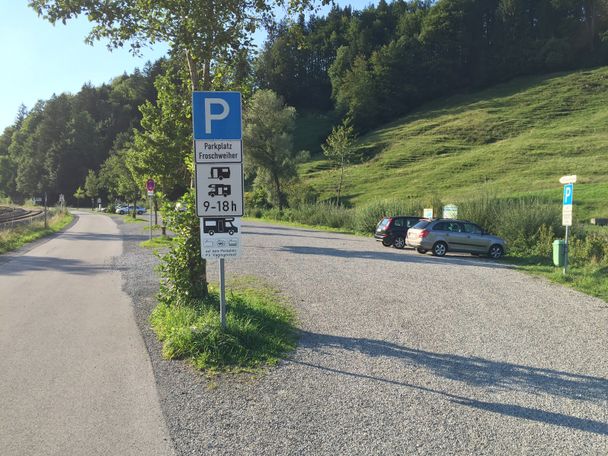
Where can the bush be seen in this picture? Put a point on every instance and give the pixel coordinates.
(182, 269)
(591, 248)
(528, 224)
(367, 217)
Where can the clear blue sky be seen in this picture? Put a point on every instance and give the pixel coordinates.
(40, 60)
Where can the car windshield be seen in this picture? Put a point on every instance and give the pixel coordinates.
(422, 224)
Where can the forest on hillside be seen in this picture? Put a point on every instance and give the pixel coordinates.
(380, 63)
(368, 66)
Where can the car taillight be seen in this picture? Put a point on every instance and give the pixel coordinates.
(423, 233)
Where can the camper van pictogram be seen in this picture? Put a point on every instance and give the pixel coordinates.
(219, 225)
(219, 190)
(220, 172)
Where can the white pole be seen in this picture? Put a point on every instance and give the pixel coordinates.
(566, 250)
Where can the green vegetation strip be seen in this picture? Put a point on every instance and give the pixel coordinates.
(14, 238)
(157, 242)
(260, 329)
(591, 279)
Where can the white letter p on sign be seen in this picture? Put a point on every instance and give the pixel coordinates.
(209, 117)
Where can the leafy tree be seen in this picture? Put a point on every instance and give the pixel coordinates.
(205, 33)
(91, 186)
(79, 194)
(267, 133)
(339, 149)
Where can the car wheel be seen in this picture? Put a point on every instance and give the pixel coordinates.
(386, 243)
(496, 251)
(230, 232)
(139, 213)
(210, 232)
(121, 212)
(440, 249)
(419, 250)
(399, 242)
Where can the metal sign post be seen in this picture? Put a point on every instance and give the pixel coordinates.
(218, 158)
(150, 185)
(568, 182)
(46, 223)
(222, 295)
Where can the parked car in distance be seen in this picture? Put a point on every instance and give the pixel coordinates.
(393, 230)
(126, 209)
(449, 235)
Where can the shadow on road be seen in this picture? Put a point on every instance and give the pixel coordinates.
(26, 264)
(477, 372)
(80, 236)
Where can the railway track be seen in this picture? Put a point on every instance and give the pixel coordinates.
(10, 216)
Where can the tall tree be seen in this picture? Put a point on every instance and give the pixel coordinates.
(203, 32)
(91, 187)
(268, 128)
(339, 149)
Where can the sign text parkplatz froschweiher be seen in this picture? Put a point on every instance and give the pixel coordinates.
(216, 118)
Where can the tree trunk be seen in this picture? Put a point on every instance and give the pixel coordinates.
(277, 188)
(341, 180)
(155, 210)
(192, 70)
(194, 79)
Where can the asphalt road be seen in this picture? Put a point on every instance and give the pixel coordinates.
(399, 354)
(75, 376)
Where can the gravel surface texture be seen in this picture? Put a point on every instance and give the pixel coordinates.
(400, 353)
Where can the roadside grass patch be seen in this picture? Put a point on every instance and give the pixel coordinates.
(157, 242)
(591, 279)
(260, 329)
(14, 238)
(130, 219)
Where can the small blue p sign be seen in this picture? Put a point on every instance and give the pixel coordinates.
(568, 192)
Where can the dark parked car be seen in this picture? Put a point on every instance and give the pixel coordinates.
(448, 235)
(393, 230)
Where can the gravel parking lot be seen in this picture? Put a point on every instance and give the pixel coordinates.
(400, 353)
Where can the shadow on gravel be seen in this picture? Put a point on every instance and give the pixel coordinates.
(291, 228)
(395, 256)
(23, 264)
(308, 236)
(477, 372)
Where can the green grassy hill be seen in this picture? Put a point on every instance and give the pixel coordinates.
(514, 139)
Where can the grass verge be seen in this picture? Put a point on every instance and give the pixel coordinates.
(591, 279)
(130, 219)
(260, 329)
(157, 242)
(14, 238)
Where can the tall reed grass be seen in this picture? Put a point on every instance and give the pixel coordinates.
(528, 224)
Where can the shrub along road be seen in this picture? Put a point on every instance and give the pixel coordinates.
(399, 354)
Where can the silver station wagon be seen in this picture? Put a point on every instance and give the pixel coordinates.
(448, 235)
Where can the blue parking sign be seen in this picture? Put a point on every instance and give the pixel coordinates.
(568, 192)
(216, 115)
